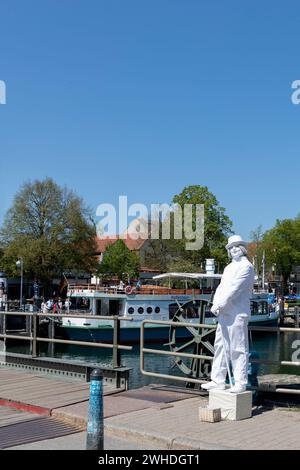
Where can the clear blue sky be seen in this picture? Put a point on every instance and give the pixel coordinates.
(142, 98)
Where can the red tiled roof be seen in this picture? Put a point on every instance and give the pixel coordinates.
(104, 242)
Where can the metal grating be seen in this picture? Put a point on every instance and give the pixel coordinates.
(34, 430)
(159, 393)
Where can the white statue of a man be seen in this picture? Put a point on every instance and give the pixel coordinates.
(232, 306)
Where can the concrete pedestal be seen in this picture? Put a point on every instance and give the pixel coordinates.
(234, 406)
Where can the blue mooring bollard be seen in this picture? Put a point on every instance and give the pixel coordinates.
(95, 437)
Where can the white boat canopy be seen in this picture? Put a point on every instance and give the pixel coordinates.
(187, 276)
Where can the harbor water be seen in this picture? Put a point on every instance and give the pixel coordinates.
(269, 346)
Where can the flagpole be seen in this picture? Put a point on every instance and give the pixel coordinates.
(263, 271)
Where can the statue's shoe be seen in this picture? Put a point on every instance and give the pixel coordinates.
(237, 389)
(213, 386)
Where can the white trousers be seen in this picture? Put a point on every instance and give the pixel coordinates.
(235, 333)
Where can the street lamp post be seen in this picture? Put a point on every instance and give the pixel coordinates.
(20, 264)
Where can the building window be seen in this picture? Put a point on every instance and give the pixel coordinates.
(149, 309)
(140, 310)
(157, 309)
(131, 310)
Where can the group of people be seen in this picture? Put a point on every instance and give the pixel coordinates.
(55, 306)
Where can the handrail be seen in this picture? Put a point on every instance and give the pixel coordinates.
(66, 314)
(177, 354)
(200, 356)
(34, 338)
(64, 341)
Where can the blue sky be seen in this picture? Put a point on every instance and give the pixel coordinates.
(142, 98)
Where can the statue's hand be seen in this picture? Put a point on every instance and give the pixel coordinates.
(215, 310)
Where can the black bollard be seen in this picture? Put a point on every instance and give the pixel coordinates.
(94, 438)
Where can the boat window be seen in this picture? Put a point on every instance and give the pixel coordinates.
(259, 308)
(131, 310)
(172, 310)
(157, 309)
(265, 309)
(254, 308)
(189, 311)
(149, 309)
(82, 303)
(140, 310)
(115, 307)
(98, 307)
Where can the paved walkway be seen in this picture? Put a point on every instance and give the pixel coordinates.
(165, 417)
(176, 425)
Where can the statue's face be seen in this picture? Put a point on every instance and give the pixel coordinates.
(236, 252)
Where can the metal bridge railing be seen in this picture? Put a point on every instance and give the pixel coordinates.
(186, 379)
(33, 338)
(144, 350)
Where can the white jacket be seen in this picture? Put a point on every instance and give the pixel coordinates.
(233, 294)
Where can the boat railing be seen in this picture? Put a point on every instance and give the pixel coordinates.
(75, 289)
(143, 290)
(31, 333)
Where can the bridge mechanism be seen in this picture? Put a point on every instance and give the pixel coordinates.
(199, 341)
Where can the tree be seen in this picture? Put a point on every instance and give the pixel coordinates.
(217, 228)
(282, 246)
(120, 261)
(51, 229)
(256, 248)
(217, 225)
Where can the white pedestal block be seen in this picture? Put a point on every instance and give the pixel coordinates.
(234, 406)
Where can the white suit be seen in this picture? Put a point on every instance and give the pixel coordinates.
(232, 299)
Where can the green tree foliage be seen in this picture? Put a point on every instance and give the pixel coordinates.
(217, 228)
(282, 246)
(51, 229)
(120, 261)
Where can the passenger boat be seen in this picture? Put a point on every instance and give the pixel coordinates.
(151, 302)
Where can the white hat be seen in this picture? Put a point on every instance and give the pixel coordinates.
(235, 240)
